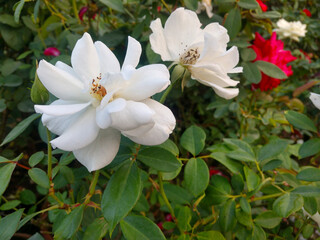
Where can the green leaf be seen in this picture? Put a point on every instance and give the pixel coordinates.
(228, 216)
(39, 177)
(184, 218)
(232, 165)
(18, 10)
(248, 4)
(269, 14)
(142, 228)
(114, 4)
(193, 140)
(242, 145)
(8, 19)
(300, 120)
(268, 219)
(309, 148)
(271, 70)
(287, 204)
(307, 191)
(17, 130)
(251, 72)
(177, 194)
(244, 218)
(9, 224)
(121, 194)
(96, 230)
(309, 174)
(191, 4)
(36, 158)
(36, 236)
(258, 233)
(210, 235)
(159, 159)
(196, 176)
(237, 182)
(245, 205)
(5, 176)
(248, 54)
(70, 224)
(310, 205)
(253, 180)
(27, 197)
(272, 149)
(9, 205)
(233, 22)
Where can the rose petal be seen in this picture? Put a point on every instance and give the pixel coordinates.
(103, 112)
(61, 109)
(108, 61)
(133, 53)
(315, 98)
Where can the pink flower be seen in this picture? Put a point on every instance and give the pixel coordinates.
(51, 51)
(307, 12)
(262, 5)
(82, 11)
(271, 51)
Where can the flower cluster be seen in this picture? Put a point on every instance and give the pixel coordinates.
(292, 30)
(271, 51)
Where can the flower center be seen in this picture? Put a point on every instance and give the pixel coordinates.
(97, 90)
(190, 57)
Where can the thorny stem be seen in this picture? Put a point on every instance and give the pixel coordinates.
(92, 186)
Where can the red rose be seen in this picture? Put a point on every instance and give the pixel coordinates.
(51, 51)
(307, 12)
(271, 51)
(83, 11)
(262, 5)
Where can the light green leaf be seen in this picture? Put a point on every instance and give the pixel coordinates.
(272, 149)
(287, 204)
(271, 70)
(193, 140)
(309, 174)
(9, 224)
(310, 148)
(36, 158)
(114, 4)
(142, 228)
(121, 194)
(39, 177)
(300, 120)
(5, 176)
(307, 191)
(233, 22)
(210, 235)
(17, 130)
(228, 216)
(268, 219)
(196, 176)
(184, 218)
(18, 10)
(253, 180)
(159, 159)
(9, 205)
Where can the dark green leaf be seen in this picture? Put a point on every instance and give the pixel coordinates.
(39, 177)
(36, 158)
(300, 120)
(17, 130)
(184, 218)
(258, 233)
(96, 230)
(248, 54)
(253, 180)
(191, 4)
(9, 224)
(27, 197)
(210, 235)
(248, 4)
(272, 149)
(193, 140)
(8, 20)
(233, 22)
(159, 159)
(310, 148)
(310, 205)
(177, 194)
(307, 191)
(228, 216)
(232, 165)
(268, 219)
(245, 205)
(271, 69)
(287, 204)
(309, 174)
(121, 194)
(9, 205)
(142, 228)
(70, 224)
(251, 72)
(237, 182)
(196, 176)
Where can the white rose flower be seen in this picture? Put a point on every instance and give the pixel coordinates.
(315, 99)
(202, 51)
(205, 5)
(292, 30)
(98, 101)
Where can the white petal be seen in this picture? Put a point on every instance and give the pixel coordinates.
(212, 74)
(61, 83)
(228, 60)
(236, 70)
(132, 116)
(101, 151)
(85, 60)
(103, 112)
(108, 61)
(226, 93)
(158, 41)
(66, 68)
(80, 134)
(182, 30)
(133, 53)
(164, 120)
(145, 82)
(61, 110)
(315, 98)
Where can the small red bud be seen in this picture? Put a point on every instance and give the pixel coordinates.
(307, 12)
(51, 51)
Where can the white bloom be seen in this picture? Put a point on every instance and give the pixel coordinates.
(292, 30)
(98, 101)
(205, 5)
(202, 51)
(315, 99)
